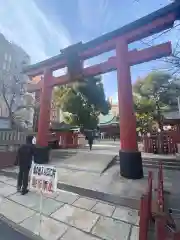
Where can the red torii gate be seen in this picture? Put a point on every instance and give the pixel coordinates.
(73, 57)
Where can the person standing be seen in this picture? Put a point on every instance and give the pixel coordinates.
(90, 140)
(24, 160)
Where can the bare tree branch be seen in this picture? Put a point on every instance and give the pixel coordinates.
(12, 90)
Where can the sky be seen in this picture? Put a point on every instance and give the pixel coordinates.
(44, 27)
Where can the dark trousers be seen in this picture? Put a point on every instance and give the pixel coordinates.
(23, 177)
(90, 144)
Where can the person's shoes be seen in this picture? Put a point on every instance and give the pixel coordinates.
(24, 192)
(18, 189)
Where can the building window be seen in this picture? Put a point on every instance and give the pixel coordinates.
(4, 65)
(10, 58)
(7, 62)
(6, 57)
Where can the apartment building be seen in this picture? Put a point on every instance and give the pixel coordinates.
(12, 60)
(114, 107)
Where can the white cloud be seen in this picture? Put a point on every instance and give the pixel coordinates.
(25, 24)
(94, 15)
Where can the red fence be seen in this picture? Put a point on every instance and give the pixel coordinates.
(165, 227)
(145, 210)
(162, 143)
(160, 190)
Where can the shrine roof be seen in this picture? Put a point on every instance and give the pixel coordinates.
(174, 115)
(171, 8)
(107, 119)
(61, 126)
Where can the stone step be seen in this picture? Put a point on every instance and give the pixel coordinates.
(164, 162)
(162, 159)
(169, 164)
(168, 167)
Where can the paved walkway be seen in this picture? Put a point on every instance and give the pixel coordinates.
(75, 216)
(112, 151)
(67, 216)
(70, 216)
(109, 183)
(85, 161)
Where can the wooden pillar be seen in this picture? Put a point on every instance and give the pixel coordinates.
(130, 158)
(45, 108)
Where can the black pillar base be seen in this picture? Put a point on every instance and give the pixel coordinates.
(131, 165)
(41, 155)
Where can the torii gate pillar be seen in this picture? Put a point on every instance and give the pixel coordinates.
(130, 157)
(42, 149)
(44, 115)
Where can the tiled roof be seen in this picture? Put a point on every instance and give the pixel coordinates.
(172, 115)
(60, 126)
(107, 119)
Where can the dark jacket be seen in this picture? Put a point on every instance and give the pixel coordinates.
(25, 155)
(90, 139)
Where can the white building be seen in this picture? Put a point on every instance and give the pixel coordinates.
(12, 60)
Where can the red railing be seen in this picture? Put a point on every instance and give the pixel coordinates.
(165, 224)
(145, 210)
(165, 227)
(160, 190)
(165, 142)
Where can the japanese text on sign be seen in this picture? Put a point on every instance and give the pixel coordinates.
(43, 178)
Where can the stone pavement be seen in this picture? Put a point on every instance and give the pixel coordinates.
(67, 216)
(115, 151)
(111, 182)
(101, 156)
(84, 161)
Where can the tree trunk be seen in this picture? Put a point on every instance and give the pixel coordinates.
(11, 119)
(159, 117)
(160, 123)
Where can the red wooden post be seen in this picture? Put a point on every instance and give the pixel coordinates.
(161, 233)
(143, 222)
(160, 188)
(130, 158)
(44, 116)
(150, 178)
(177, 236)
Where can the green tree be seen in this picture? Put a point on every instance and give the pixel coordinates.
(144, 122)
(82, 102)
(157, 93)
(144, 117)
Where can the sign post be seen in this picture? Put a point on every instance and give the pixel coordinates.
(44, 181)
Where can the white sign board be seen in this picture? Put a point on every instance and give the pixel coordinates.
(43, 178)
(34, 140)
